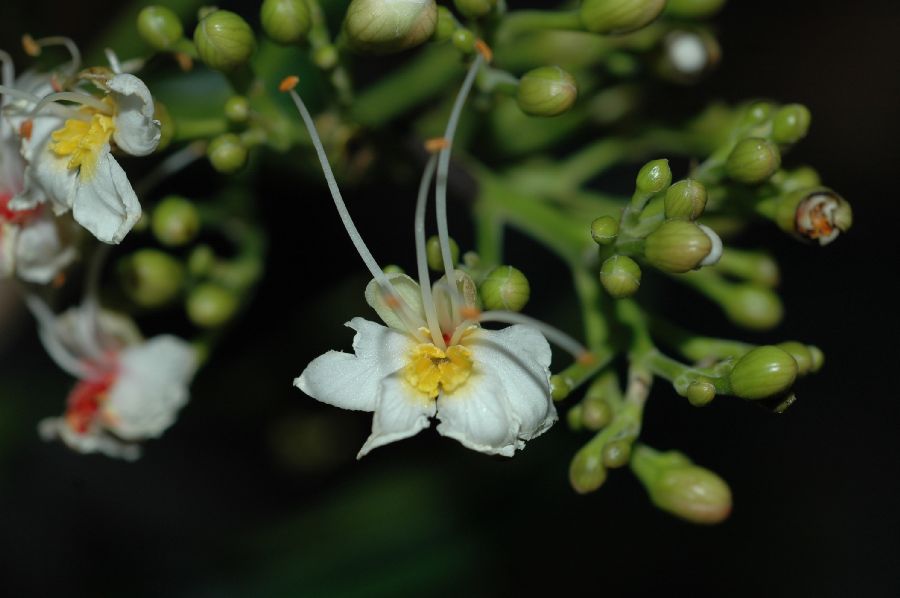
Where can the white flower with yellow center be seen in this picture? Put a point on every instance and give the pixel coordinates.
(488, 389)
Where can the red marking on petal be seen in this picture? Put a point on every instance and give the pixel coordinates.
(84, 402)
(15, 216)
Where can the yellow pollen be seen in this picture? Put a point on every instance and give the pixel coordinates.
(83, 141)
(431, 370)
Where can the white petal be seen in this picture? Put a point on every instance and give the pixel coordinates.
(40, 253)
(468, 292)
(106, 204)
(151, 387)
(42, 126)
(400, 412)
(94, 441)
(477, 415)
(111, 332)
(9, 234)
(136, 132)
(48, 178)
(409, 291)
(353, 381)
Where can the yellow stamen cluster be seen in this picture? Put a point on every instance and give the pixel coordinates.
(431, 370)
(84, 142)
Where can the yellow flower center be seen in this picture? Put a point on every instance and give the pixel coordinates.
(84, 141)
(431, 370)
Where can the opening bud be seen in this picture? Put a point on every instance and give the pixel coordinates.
(688, 54)
(654, 176)
(604, 230)
(210, 306)
(685, 200)
(763, 372)
(224, 40)
(546, 91)
(619, 16)
(474, 9)
(175, 221)
(384, 26)
(505, 288)
(694, 9)
(433, 253)
(753, 160)
(817, 214)
(227, 153)
(159, 27)
(678, 246)
(151, 278)
(620, 276)
(791, 123)
(285, 21)
(587, 472)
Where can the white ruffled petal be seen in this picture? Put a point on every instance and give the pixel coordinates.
(400, 412)
(93, 441)
(9, 234)
(409, 292)
(353, 381)
(106, 205)
(48, 178)
(477, 415)
(151, 387)
(136, 132)
(40, 253)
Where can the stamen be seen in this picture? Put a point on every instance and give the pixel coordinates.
(485, 50)
(554, 335)
(113, 61)
(33, 48)
(421, 256)
(8, 70)
(73, 96)
(436, 144)
(54, 347)
(88, 325)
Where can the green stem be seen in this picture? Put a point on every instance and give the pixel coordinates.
(527, 21)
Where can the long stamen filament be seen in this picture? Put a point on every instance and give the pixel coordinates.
(554, 335)
(58, 40)
(88, 324)
(8, 70)
(18, 93)
(54, 347)
(422, 259)
(113, 60)
(72, 96)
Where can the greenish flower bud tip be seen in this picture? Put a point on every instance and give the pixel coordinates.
(604, 230)
(804, 177)
(505, 288)
(753, 161)
(758, 113)
(166, 125)
(151, 278)
(237, 109)
(818, 358)
(211, 306)
(285, 21)
(159, 27)
(791, 123)
(587, 472)
(224, 40)
(763, 372)
(433, 253)
(752, 307)
(801, 354)
(620, 276)
(677, 246)
(384, 26)
(175, 221)
(201, 260)
(619, 16)
(393, 269)
(474, 9)
(685, 200)
(226, 153)
(818, 214)
(655, 176)
(701, 393)
(326, 57)
(559, 387)
(694, 9)
(573, 418)
(546, 91)
(446, 24)
(464, 41)
(616, 453)
(595, 413)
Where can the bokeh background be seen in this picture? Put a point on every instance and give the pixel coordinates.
(255, 491)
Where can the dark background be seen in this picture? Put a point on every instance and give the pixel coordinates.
(255, 490)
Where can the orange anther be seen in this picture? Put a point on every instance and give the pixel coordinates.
(55, 84)
(484, 50)
(185, 62)
(436, 144)
(288, 83)
(59, 280)
(25, 129)
(470, 313)
(30, 46)
(586, 358)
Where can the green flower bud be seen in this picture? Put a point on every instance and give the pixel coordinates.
(175, 221)
(464, 41)
(791, 123)
(393, 269)
(763, 372)
(237, 109)
(559, 387)
(151, 278)
(701, 392)
(595, 413)
(474, 9)
(751, 306)
(818, 358)
(546, 91)
(685, 200)
(226, 153)
(446, 24)
(210, 306)
(755, 267)
(166, 125)
(694, 9)
(224, 40)
(326, 57)
(619, 16)
(677, 246)
(433, 253)
(681, 488)
(159, 27)
(654, 176)
(285, 21)
(383, 26)
(616, 453)
(817, 214)
(801, 354)
(201, 260)
(753, 161)
(804, 177)
(505, 288)
(604, 230)
(620, 276)
(587, 472)
(758, 113)
(573, 418)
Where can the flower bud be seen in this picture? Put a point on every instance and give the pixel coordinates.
(326, 57)
(801, 354)
(595, 413)
(446, 24)
(799, 178)
(654, 176)
(237, 109)
(701, 392)
(751, 306)
(753, 161)
(175, 221)
(677, 246)
(159, 27)
(464, 41)
(763, 372)
(546, 91)
(474, 9)
(285, 21)
(616, 453)
(681, 488)
(817, 214)
(755, 267)
(604, 230)
(201, 260)
(587, 472)
(226, 153)
(620, 276)
(433, 253)
(505, 288)
(559, 387)
(790, 124)
(694, 9)
(688, 54)
(151, 278)
(166, 125)
(818, 358)
(685, 200)
(757, 113)
(383, 26)
(224, 40)
(619, 16)
(210, 306)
